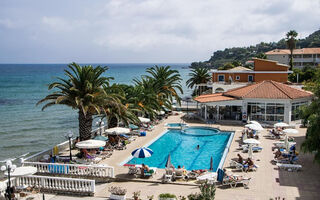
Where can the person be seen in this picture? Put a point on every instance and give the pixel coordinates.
(231, 176)
(240, 159)
(182, 170)
(198, 147)
(144, 168)
(249, 164)
(278, 154)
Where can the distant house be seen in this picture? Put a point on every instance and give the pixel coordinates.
(301, 57)
(268, 100)
(223, 80)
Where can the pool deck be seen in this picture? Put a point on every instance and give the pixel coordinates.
(267, 182)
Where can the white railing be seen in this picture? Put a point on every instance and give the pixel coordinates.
(57, 184)
(73, 169)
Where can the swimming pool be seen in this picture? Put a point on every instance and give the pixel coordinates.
(182, 146)
(176, 125)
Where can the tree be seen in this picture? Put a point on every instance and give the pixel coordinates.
(166, 82)
(82, 91)
(262, 56)
(311, 115)
(291, 44)
(198, 76)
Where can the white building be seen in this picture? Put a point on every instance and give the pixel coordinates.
(264, 101)
(301, 57)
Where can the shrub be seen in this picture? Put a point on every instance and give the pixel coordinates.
(117, 191)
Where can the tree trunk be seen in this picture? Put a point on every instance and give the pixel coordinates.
(113, 122)
(85, 126)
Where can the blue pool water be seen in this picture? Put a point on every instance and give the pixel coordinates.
(183, 151)
(176, 125)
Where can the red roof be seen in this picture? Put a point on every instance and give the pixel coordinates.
(267, 89)
(295, 51)
(213, 98)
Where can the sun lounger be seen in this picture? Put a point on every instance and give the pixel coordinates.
(254, 149)
(282, 144)
(237, 165)
(289, 167)
(168, 176)
(232, 180)
(178, 174)
(150, 173)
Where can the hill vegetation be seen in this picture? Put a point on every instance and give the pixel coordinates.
(240, 55)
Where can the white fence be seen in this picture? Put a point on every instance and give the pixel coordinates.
(57, 184)
(73, 169)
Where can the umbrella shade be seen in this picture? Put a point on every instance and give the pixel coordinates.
(117, 130)
(133, 127)
(100, 137)
(211, 164)
(286, 143)
(255, 122)
(281, 124)
(291, 130)
(251, 141)
(254, 127)
(142, 152)
(22, 171)
(144, 120)
(90, 144)
(168, 163)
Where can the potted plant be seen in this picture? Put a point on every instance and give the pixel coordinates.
(117, 193)
(167, 196)
(136, 195)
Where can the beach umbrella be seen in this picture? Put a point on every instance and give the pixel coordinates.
(251, 141)
(22, 171)
(250, 151)
(281, 125)
(291, 130)
(254, 127)
(90, 144)
(142, 152)
(144, 120)
(255, 122)
(211, 164)
(168, 163)
(100, 137)
(133, 127)
(117, 130)
(286, 143)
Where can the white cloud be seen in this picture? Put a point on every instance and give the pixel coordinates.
(154, 30)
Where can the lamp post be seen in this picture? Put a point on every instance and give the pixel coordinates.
(10, 168)
(69, 136)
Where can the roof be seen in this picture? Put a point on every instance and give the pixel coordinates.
(239, 68)
(295, 51)
(213, 98)
(268, 89)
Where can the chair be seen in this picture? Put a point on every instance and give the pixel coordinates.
(149, 173)
(167, 177)
(232, 182)
(178, 174)
(211, 177)
(289, 167)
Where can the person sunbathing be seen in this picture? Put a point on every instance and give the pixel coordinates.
(232, 177)
(181, 170)
(240, 159)
(248, 165)
(199, 171)
(278, 155)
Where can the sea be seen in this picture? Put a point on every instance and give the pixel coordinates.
(24, 128)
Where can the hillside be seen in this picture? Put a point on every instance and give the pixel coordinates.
(243, 54)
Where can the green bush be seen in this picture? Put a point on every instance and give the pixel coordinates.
(167, 195)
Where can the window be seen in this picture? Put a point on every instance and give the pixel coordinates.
(237, 78)
(221, 78)
(266, 111)
(307, 56)
(250, 78)
(295, 110)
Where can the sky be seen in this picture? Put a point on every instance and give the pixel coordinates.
(144, 31)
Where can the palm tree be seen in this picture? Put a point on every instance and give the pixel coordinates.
(199, 76)
(82, 91)
(167, 83)
(291, 44)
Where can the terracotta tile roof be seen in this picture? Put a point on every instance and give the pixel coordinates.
(295, 51)
(240, 68)
(268, 90)
(213, 98)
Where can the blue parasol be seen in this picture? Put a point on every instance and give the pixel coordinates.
(142, 152)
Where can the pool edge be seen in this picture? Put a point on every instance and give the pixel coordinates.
(226, 151)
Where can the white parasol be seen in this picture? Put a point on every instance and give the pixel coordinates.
(291, 130)
(22, 171)
(251, 141)
(117, 130)
(286, 143)
(250, 151)
(281, 125)
(254, 127)
(144, 120)
(90, 144)
(255, 122)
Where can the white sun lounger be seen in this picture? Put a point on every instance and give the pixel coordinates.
(282, 145)
(289, 167)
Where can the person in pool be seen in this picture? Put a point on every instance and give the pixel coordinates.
(198, 147)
